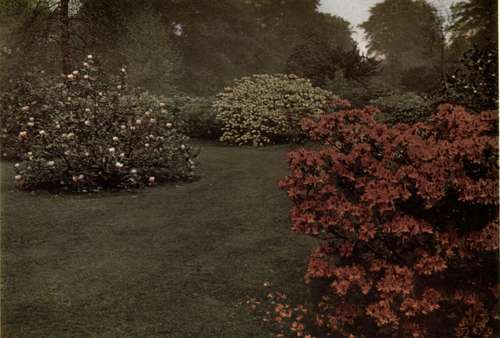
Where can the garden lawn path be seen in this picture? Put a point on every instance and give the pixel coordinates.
(168, 261)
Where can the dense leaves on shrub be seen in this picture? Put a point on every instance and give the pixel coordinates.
(403, 108)
(97, 133)
(29, 88)
(264, 109)
(320, 63)
(408, 217)
(475, 83)
(196, 115)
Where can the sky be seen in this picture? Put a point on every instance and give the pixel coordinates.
(357, 11)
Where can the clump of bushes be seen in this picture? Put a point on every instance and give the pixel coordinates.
(408, 218)
(196, 114)
(264, 109)
(27, 91)
(90, 131)
(475, 83)
(408, 107)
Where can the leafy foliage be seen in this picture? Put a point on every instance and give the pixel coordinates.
(90, 132)
(408, 217)
(475, 83)
(264, 109)
(152, 58)
(403, 108)
(319, 62)
(475, 20)
(196, 116)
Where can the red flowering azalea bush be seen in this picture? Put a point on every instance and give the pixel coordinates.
(91, 132)
(408, 218)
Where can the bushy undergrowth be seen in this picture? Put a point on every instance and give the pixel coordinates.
(408, 218)
(88, 131)
(196, 115)
(264, 109)
(475, 83)
(403, 108)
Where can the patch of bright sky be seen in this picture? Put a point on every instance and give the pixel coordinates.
(358, 11)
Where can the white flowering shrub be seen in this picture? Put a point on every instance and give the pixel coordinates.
(264, 109)
(99, 133)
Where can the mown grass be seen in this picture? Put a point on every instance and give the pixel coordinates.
(171, 261)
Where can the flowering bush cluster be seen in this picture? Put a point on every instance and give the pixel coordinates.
(264, 109)
(408, 217)
(475, 84)
(16, 97)
(91, 132)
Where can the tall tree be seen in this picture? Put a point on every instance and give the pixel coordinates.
(475, 21)
(405, 32)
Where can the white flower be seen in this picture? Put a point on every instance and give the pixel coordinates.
(87, 110)
(123, 70)
(32, 119)
(118, 165)
(18, 177)
(75, 72)
(132, 128)
(133, 171)
(123, 127)
(85, 64)
(152, 120)
(81, 177)
(147, 113)
(66, 152)
(16, 165)
(75, 178)
(23, 134)
(119, 87)
(138, 121)
(89, 56)
(162, 104)
(115, 139)
(100, 93)
(86, 153)
(29, 153)
(169, 125)
(87, 123)
(70, 76)
(122, 155)
(183, 146)
(112, 150)
(50, 163)
(85, 76)
(58, 126)
(146, 145)
(151, 179)
(42, 132)
(71, 135)
(31, 124)
(25, 108)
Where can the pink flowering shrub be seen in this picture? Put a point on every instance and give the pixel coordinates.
(93, 132)
(408, 218)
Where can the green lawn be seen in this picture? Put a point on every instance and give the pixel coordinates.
(170, 261)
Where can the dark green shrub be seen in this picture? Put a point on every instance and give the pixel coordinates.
(475, 84)
(196, 115)
(403, 108)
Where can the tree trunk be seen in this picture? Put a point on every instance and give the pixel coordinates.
(65, 36)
